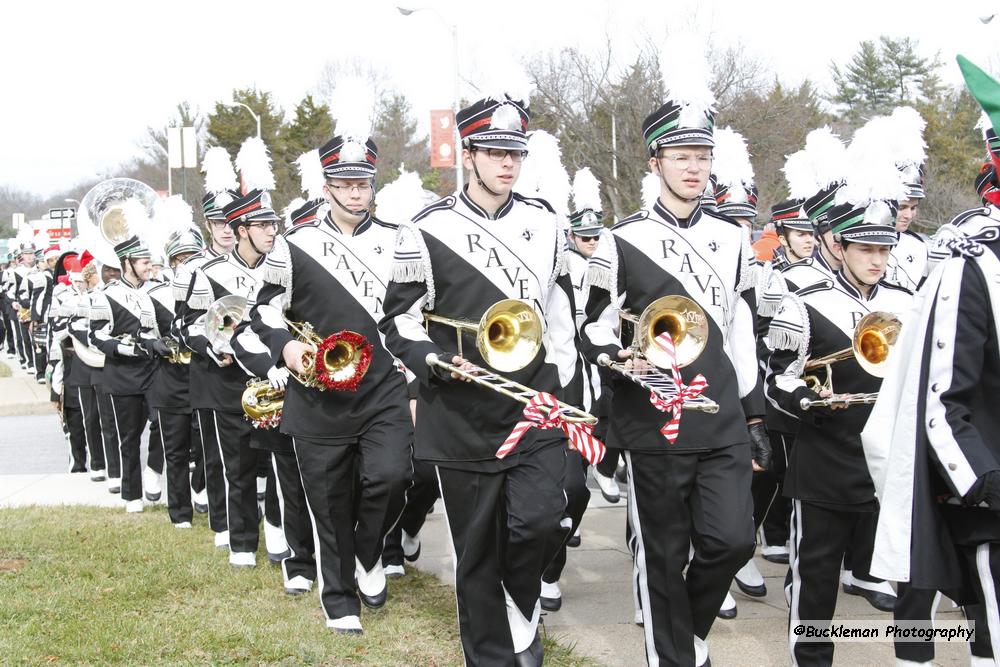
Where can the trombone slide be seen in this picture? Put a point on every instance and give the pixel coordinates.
(840, 400)
(659, 383)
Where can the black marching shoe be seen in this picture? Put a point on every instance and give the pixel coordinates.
(881, 601)
(372, 587)
(533, 656)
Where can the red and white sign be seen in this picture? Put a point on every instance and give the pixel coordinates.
(442, 138)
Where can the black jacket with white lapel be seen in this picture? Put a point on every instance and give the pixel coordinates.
(813, 322)
(170, 388)
(576, 266)
(22, 285)
(334, 282)
(455, 260)
(41, 295)
(220, 387)
(122, 308)
(708, 259)
(908, 261)
(180, 290)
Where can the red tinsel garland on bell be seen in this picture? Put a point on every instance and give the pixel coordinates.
(355, 340)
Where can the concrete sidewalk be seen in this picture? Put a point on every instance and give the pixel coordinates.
(21, 394)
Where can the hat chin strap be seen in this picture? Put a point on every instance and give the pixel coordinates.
(359, 214)
(686, 200)
(480, 182)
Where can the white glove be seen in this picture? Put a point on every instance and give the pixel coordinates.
(126, 350)
(277, 377)
(221, 347)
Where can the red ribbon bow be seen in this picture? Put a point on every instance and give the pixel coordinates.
(581, 436)
(674, 405)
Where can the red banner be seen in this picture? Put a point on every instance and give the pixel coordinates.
(442, 139)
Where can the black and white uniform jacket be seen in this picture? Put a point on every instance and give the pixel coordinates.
(455, 260)
(827, 464)
(334, 282)
(7, 284)
(219, 387)
(40, 287)
(908, 261)
(78, 327)
(576, 265)
(170, 388)
(180, 287)
(935, 429)
(708, 259)
(65, 302)
(22, 285)
(119, 310)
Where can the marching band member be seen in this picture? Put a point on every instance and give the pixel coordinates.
(208, 486)
(833, 512)
(63, 305)
(118, 315)
(168, 394)
(909, 261)
(459, 256)
(679, 248)
(6, 316)
(21, 298)
(40, 285)
(237, 273)
(363, 425)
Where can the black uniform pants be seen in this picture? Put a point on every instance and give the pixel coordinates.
(87, 398)
(272, 504)
(777, 515)
(174, 429)
(295, 520)
(577, 497)
(7, 333)
(505, 530)
(25, 349)
(239, 469)
(820, 536)
(355, 493)
(420, 499)
(197, 456)
(73, 417)
(109, 434)
(129, 413)
(156, 455)
(676, 500)
(215, 481)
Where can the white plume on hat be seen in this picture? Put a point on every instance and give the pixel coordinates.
(542, 173)
(353, 105)
(137, 220)
(686, 78)
(505, 77)
(732, 167)
(170, 215)
(907, 137)
(42, 240)
(586, 191)
(650, 189)
(25, 235)
(311, 178)
(254, 164)
(218, 169)
(292, 207)
(820, 164)
(872, 174)
(399, 201)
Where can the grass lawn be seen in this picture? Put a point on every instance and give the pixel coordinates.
(83, 585)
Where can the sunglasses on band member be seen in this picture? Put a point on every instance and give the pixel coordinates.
(586, 237)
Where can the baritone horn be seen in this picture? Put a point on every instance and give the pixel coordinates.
(221, 319)
(872, 344)
(337, 362)
(687, 324)
(262, 404)
(508, 337)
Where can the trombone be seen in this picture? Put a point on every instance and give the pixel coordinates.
(687, 325)
(508, 337)
(874, 339)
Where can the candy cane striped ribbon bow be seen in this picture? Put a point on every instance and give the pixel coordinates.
(685, 392)
(581, 436)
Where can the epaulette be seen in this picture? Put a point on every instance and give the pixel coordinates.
(302, 225)
(198, 255)
(110, 283)
(383, 223)
(964, 216)
(534, 201)
(213, 261)
(638, 215)
(815, 287)
(439, 205)
(158, 286)
(808, 261)
(899, 288)
(720, 216)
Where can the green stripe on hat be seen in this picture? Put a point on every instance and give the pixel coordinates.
(661, 130)
(983, 87)
(821, 210)
(849, 222)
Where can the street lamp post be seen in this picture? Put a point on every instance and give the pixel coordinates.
(255, 116)
(453, 27)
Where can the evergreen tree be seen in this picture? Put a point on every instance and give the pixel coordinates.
(311, 126)
(395, 133)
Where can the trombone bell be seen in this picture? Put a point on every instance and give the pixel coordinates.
(874, 338)
(679, 316)
(509, 335)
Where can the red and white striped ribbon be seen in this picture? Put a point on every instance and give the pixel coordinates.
(581, 436)
(674, 405)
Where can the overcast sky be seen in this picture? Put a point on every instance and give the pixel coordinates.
(82, 80)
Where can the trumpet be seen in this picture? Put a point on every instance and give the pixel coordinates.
(874, 338)
(337, 362)
(508, 337)
(262, 404)
(687, 325)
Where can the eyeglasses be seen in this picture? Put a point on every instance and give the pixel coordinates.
(270, 224)
(218, 224)
(345, 189)
(499, 154)
(684, 161)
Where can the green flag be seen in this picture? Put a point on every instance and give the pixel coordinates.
(984, 88)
